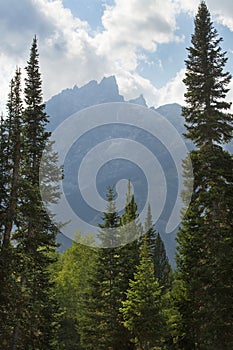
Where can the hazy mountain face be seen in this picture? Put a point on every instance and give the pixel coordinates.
(70, 101)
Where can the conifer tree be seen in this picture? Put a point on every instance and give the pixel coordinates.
(100, 326)
(35, 235)
(206, 116)
(142, 309)
(162, 268)
(13, 151)
(10, 148)
(130, 233)
(10, 157)
(130, 226)
(109, 230)
(3, 176)
(205, 250)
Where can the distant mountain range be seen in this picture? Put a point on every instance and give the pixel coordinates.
(72, 100)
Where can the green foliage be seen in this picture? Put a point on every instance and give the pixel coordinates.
(130, 232)
(162, 268)
(92, 284)
(142, 309)
(100, 324)
(205, 112)
(123, 295)
(72, 286)
(205, 250)
(11, 135)
(10, 168)
(28, 244)
(109, 230)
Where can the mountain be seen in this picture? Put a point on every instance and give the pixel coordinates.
(73, 100)
(139, 101)
(70, 101)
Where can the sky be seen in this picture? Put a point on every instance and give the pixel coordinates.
(142, 42)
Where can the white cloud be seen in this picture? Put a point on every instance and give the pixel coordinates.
(7, 71)
(130, 25)
(71, 54)
(132, 85)
(173, 91)
(65, 47)
(221, 11)
(188, 6)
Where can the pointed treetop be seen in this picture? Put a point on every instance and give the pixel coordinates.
(207, 119)
(128, 194)
(149, 219)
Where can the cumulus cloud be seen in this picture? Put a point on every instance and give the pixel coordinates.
(19, 21)
(71, 53)
(173, 91)
(133, 84)
(221, 11)
(64, 42)
(130, 25)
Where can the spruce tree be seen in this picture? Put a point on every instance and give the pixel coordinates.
(3, 176)
(13, 151)
(10, 148)
(207, 120)
(34, 237)
(162, 268)
(100, 326)
(205, 249)
(109, 230)
(142, 309)
(130, 233)
(131, 229)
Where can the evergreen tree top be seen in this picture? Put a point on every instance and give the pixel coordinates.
(206, 112)
(109, 232)
(33, 82)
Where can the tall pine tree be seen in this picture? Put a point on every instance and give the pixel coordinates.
(10, 148)
(142, 309)
(100, 326)
(206, 81)
(34, 236)
(130, 233)
(205, 240)
(13, 151)
(162, 268)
